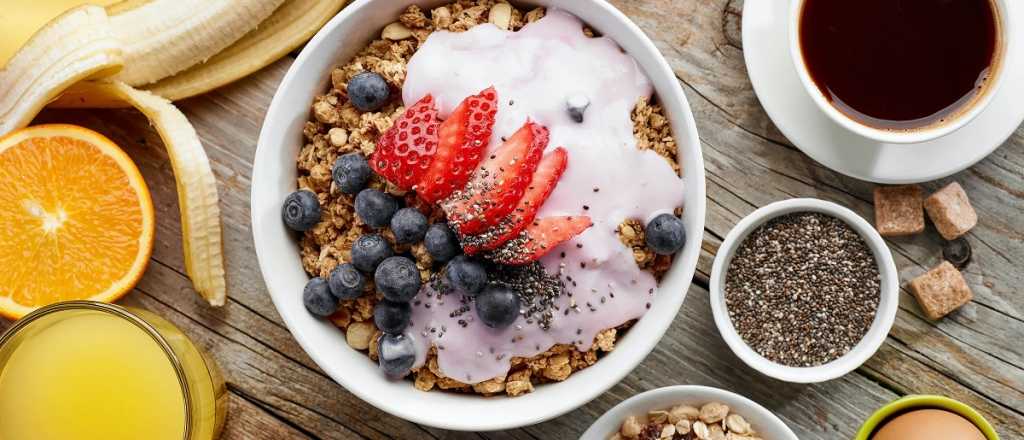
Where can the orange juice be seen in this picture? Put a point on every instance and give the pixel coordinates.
(89, 371)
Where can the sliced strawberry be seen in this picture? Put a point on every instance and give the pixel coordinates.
(461, 146)
(498, 184)
(538, 239)
(405, 151)
(544, 181)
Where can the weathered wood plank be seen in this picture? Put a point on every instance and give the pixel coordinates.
(246, 421)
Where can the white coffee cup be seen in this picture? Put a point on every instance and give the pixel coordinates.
(907, 136)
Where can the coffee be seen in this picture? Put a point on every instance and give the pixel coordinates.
(900, 64)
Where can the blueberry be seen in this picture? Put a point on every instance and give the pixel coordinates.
(409, 225)
(318, 298)
(301, 210)
(369, 251)
(375, 207)
(351, 173)
(398, 279)
(466, 275)
(346, 282)
(396, 354)
(957, 252)
(497, 307)
(576, 105)
(368, 91)
(665, 234)
(441, 243)
(392, 317)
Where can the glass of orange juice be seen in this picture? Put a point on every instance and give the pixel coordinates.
(89, 371)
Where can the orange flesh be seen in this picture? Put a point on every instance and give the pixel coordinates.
(74, 223)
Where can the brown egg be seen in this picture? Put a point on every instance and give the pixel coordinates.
(929, 424)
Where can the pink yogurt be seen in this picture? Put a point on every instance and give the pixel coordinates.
(534, 72)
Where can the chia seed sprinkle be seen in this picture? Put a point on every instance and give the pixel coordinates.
(802, 289)
(537, 290)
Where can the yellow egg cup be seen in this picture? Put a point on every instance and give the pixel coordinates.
(922, 402)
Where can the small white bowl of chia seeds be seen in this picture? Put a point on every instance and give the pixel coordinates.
(804, 290)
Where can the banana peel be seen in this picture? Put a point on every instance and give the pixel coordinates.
(196, 184)
(119, 7)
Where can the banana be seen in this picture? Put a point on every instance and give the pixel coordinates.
(91, 57)
(290, 26)
(164, 37)
(197, 187)
(74, 46)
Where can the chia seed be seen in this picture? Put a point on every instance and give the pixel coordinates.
(802, 289)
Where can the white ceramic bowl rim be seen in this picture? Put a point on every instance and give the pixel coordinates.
(274, 177)
(766, 423)
(912, 136)
(884, 317)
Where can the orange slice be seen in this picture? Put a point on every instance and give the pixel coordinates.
(76, 218)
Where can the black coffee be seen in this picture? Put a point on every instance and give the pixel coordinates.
(900, 64)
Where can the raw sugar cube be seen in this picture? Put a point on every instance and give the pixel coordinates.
(951, 211)
(899, 210)
(941, 290)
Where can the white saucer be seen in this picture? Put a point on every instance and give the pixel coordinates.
(766, 50)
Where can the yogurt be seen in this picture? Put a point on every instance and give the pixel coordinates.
(535, 72)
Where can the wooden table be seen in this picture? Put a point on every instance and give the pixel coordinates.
(276, 391)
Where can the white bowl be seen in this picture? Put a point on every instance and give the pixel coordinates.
(885, 315)
(274, 176)
(765, 423)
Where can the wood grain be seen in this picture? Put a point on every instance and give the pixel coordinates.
(975, 355)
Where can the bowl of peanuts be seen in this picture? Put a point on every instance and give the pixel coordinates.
(688, 412)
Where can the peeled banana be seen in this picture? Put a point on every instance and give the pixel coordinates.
(291, 24)
(164, 37)
(287, 28)
(48, 64)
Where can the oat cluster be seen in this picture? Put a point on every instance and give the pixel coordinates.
(336, 128)
(631, 234)
(713, 421)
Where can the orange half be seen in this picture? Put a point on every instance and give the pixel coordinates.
(76, 219)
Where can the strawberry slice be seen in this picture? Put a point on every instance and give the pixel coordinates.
(461, 146)
(405, 151)
(498, 184)
(541, 237)
(543, 183)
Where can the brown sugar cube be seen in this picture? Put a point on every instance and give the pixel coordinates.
(951, 211)
(898, 210)
(940, 290)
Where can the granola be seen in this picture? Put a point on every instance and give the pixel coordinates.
(336, 128)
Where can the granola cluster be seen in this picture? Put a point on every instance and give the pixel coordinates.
(631, 234)
(713, 421)
(653, 132)
(336, 128)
